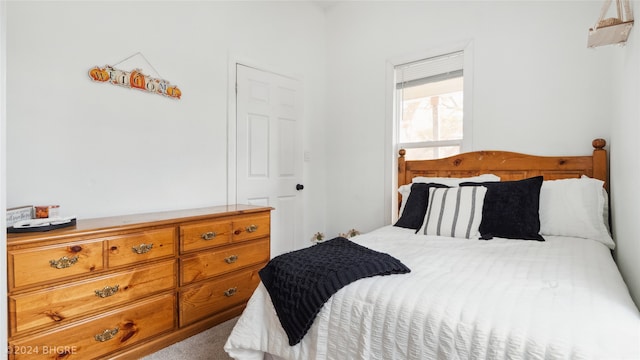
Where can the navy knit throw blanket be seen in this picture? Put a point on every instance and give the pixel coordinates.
(300, 282)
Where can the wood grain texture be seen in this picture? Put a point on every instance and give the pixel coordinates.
(251, 227)
(194, 236)
(125, 223)
(69, 302)
(205, 299)
(205, 265)
(33, 266)
(120, 249)
(124, 274)
(507, 165)
(134, 323)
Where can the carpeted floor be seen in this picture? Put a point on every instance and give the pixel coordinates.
(207, 345)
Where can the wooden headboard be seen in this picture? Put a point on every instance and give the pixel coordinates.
(508, 165)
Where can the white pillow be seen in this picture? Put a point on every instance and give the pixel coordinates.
(576, 208)
(605, 208)
(454, 212)
(405, 190)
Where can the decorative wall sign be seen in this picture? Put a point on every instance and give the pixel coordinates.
(134, 79)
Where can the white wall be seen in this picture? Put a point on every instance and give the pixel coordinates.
(625, 162)
(537, 88)
(101, 150)
(3, 173)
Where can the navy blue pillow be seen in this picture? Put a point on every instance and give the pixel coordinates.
(416, 206)
(511, 209)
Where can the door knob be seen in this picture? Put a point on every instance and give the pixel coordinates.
(299, 187)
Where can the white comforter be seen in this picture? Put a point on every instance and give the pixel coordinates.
(464, 299)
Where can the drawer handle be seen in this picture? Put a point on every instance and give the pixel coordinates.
(230, 291)
(63, 262)
(251, 228)
(142, 248)
(208, 235)
(106, 335)
(107, 291)
(231, 259)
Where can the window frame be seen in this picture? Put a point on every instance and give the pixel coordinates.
(391, 138)
(417, 79)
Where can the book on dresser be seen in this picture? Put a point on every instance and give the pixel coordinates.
(126, 286)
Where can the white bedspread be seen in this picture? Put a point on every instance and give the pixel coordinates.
(464, 299)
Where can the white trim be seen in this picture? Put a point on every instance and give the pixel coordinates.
(429, 144)
(467, 103)
(391, 141)
(231, 132)
(391, 150)
(3, 165)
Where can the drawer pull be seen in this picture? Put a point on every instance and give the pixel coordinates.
(63, 262)
(230, 291)
(142, 248)
(251, 228)
(107, 291)
(106, 335)
(208, 235)
(231, 259)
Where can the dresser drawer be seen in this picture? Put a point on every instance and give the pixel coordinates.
(101, 335)
(251, 227)
(221, 261)
(64, 304)
(146, 245)
(51, 263)
(205, 235)
(204, 299)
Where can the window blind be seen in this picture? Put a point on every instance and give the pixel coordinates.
(430, 70)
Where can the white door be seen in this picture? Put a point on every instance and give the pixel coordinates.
(269, 151)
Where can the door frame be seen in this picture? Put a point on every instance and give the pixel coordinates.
(232, 134)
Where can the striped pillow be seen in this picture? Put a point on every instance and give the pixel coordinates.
(454, 212)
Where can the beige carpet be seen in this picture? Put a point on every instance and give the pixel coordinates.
(207, 345)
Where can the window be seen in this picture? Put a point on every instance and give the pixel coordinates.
(429, 106)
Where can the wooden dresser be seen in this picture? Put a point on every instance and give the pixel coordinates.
(123, 287)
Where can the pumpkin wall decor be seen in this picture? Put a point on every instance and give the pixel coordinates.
(134, 79)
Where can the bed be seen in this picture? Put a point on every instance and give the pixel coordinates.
(476, 291)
